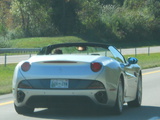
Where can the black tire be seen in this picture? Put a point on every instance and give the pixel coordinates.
(24, 110)
(118, 108)
(137, 102)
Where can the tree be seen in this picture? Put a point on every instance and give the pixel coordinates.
(64, 16)
(32, 17)
(118, 2)
(4, 17)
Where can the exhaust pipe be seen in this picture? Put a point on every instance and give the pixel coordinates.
(101, 97)
(20, 96)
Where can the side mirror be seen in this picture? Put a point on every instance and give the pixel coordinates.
(132, 60)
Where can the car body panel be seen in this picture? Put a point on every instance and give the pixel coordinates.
(77, 67)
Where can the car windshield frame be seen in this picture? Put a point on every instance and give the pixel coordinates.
(47, 50)
(108, 50)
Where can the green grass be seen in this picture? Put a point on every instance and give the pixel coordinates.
(39, 42)
(133, 44)
(145, 61)
(6, 78)
(6, 73)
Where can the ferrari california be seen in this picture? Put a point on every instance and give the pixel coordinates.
(82, 74)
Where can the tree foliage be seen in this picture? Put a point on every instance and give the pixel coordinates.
(4, 18)
(32, 17)
(107, 19)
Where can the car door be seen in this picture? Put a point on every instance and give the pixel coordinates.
(129, 72)
(132, 80)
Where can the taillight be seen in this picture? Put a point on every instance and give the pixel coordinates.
(25, 66)
(96, 66)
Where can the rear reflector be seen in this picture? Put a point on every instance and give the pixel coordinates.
(96, 85)
(96, 66)
(25, 66)
(24, 84)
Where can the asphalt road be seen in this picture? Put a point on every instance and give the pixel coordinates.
(150, 109)
(13, 58)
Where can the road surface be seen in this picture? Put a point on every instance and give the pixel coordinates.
(13, 58)
(150, 109)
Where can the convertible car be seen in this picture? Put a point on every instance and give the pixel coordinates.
(77, 74)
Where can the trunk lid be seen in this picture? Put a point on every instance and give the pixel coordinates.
(62, 67)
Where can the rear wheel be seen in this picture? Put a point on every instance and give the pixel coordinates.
(138, 100)
(120, 99)
(23, 110)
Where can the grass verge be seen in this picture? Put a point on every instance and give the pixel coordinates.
(39, 42)
(6, 78)
(145, 61)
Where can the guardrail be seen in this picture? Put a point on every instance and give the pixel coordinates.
(4, 59)
(11, 58)
(19, 50)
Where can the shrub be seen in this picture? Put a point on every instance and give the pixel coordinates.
(4, 44)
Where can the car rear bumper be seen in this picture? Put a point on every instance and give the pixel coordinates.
(59, 101)
(45, 98)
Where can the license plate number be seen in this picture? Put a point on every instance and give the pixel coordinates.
(59, 84)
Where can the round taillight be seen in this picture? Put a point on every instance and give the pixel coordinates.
(25, 66)
(96, 66)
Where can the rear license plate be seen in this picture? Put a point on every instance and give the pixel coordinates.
(59, 83)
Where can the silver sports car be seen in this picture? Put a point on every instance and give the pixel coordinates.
(77, 74)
